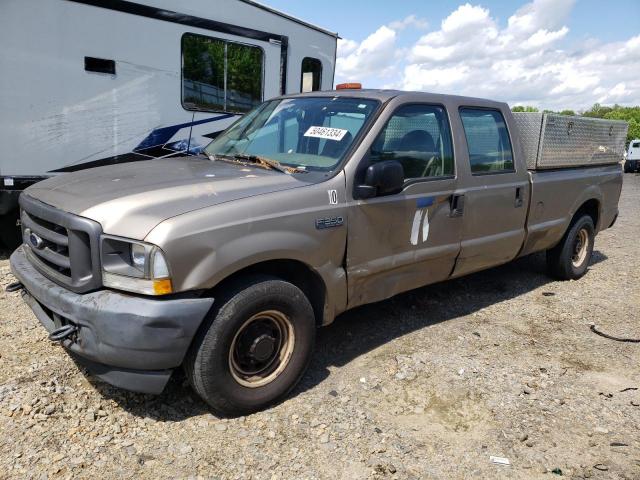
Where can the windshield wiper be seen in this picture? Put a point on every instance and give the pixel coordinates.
(267, 162)
(262, 161)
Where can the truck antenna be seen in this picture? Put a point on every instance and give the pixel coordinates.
(193, 115)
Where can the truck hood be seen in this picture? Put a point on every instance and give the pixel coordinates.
(131, 199)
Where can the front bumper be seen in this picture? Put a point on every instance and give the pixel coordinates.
(130, 341)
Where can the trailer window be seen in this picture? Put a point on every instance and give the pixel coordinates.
(310, 79)
(487, 140)
(418, 137)
(220, 75)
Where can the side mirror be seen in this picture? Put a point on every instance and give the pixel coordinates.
(382, 178)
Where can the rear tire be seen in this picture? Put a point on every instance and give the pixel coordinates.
(570, 259)
(254, 347)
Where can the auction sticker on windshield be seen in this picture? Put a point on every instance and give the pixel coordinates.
(326, 132)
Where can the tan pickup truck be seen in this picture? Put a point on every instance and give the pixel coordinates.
(310, 205)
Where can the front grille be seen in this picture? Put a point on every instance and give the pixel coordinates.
(62, 246)
(53, 241)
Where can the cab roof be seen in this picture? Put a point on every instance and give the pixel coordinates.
(385, 95)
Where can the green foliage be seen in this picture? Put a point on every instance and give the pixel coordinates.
(520, 108)
(244, 71)
(203, 61)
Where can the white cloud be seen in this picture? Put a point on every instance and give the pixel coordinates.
(371, 57)
(433, 77)
(345, 47)
(465, 18)
(618, 94)
(539, 14)
(525, 61)
(409, 21)
(544, 37)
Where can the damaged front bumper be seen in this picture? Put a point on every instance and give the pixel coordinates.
(129, 341)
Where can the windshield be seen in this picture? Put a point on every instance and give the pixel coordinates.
(312, 133)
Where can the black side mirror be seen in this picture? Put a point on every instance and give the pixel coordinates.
(382, 178)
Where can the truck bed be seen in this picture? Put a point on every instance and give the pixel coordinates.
(556, 195)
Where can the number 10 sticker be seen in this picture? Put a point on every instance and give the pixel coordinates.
(333, 197)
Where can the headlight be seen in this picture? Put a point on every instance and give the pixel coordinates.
(134, 266)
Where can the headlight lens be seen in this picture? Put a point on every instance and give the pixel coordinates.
(138, 256)
(134, 266)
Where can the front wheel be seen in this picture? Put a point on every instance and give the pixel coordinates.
(570, 258)
(254, 347)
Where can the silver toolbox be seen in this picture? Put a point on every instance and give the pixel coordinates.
(551, 140)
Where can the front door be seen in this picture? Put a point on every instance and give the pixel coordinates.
(412, 238)
(495, 200)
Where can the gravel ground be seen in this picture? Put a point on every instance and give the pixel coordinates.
(429, 384)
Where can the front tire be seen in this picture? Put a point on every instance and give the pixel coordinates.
(254, 347)
(570, 259)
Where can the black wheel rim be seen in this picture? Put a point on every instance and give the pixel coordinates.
(261, 348)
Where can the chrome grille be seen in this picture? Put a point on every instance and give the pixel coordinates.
(62, 246)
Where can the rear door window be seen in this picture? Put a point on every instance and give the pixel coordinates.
(487, 140)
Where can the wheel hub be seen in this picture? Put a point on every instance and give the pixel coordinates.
(580, 248)
(262, 348)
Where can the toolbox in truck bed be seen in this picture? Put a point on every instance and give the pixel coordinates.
(560, 141)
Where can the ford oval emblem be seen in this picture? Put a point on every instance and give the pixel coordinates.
(36, 241)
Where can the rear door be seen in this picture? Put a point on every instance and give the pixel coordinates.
(408, 239)
(495, 194)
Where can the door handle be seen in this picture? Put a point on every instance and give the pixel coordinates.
(519, 200)
(457, 205)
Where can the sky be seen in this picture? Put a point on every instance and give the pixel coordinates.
(556, 54)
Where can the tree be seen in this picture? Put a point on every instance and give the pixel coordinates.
(520, 108)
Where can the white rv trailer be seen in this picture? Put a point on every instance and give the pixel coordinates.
(85, 83)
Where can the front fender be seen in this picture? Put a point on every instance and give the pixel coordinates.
(206, 246)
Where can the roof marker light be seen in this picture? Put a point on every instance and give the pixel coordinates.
(349, 86)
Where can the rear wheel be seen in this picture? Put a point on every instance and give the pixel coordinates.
(570, 258)
(254, 347)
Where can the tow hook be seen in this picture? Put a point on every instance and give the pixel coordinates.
(14, 287)
(62, 333)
